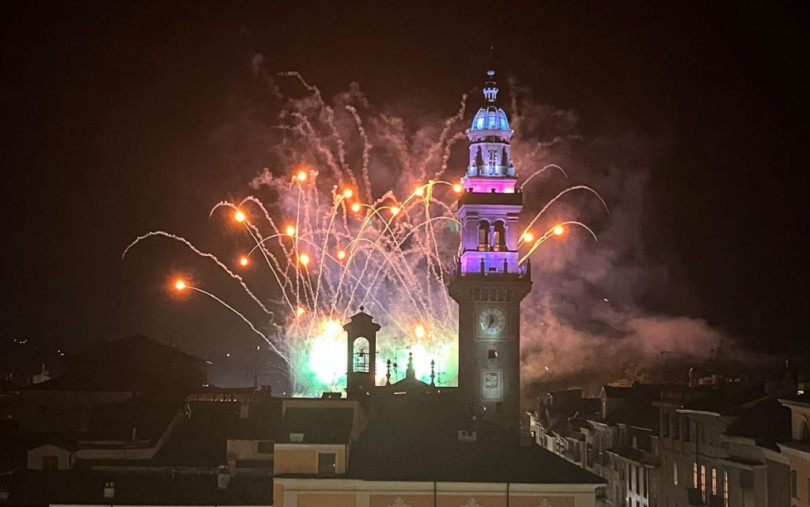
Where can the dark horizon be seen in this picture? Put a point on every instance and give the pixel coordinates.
(116, 116)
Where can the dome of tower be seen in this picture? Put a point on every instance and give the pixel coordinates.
(490, 117)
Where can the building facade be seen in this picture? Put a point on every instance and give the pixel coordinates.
(797, 449)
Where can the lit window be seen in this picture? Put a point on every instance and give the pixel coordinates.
(714, 482)
(725, 489)
(675, 473)
(694, 476)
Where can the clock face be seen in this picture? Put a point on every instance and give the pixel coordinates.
(491, 322)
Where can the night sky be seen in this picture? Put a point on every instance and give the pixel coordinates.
(114, 113)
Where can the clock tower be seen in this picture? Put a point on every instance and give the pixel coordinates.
(489, 282)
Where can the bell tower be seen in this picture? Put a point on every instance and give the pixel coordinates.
(489, 282)
(361, 332)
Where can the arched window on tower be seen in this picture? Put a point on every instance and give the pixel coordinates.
(804, 435)
(499, 238)
(483, 235)
(360, 356)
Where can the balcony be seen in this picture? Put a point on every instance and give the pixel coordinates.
(487, 270)
(509, 199)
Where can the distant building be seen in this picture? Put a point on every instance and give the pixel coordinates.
(676, 445)
(411, 454)
(797, 448)
(216, 446)
(719, 447)
(111, 372)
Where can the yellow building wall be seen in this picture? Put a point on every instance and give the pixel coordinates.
(443, 500)
(533, 501)
(412, 500)
(305, 460)
(803, 475)
(326, 500)
(422, 499)
(483, 500)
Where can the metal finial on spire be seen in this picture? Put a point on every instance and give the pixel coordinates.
(388, 373)
(410, 372)
(432, 372)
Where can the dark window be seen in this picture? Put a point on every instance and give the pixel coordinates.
(50, 463)
(265, 447)
(794, 484)
(746, 479)
(326, 463)
(493, 354)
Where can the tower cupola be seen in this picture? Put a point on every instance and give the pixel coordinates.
(489, 137)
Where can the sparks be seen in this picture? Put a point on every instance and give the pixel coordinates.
(348, 193)
(457, 188)
(304, 259)
(356, 207)
(528, 237)
(244, 261)
(239, 216)
(289, 230)
(394, 210)
(558, 230)
(180, 285)
(419, 331)
(420, 191)
(301, 176)
(341, 254)
(300, 311)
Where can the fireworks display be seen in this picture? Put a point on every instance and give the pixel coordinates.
(362, 215)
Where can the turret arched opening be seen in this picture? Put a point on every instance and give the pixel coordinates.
(361, 359)
(499, 236)
(483, 235)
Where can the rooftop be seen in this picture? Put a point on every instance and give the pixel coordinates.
(415, 439)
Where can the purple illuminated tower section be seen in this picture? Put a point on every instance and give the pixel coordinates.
(490, 206)
(489, 283)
